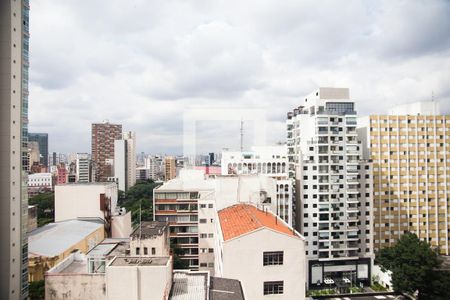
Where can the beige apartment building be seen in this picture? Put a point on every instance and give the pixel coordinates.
(170, 168)
(411, 167)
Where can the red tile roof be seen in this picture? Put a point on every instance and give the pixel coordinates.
(240, 219)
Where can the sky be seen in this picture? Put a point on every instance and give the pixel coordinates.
(144, 64)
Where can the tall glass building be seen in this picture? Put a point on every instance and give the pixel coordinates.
(14, 64)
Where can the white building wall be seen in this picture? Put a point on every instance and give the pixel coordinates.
(82, 200)
(138, 282)
(83, 167)
(121, 226)
(243, 260)
(120, 163)
(40, 180)
(270, 161)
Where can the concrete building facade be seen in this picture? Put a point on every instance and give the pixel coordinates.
(103, 137)
(333, 188)
(170, 168)
(409, 149)
(14, 65)
(125, 161)
(42, 140)
(271, 161)
(83, 168)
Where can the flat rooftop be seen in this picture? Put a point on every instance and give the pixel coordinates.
(55, 238)
(363, 297)
(225, 289)
(139, 261)
(149, 229)
(86, 183)
(110, 247)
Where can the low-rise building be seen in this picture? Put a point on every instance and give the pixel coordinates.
(32, 217)
(39, 182)
(274, 253)
(150, 239)
(50, 244)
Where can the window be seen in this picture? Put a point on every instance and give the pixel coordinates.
(202, 221)
(138, 251)
(273, 287)
(153, 251)
(145, 251)
(273, 258)
(202, 205)
(210, 205)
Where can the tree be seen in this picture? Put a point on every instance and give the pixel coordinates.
(37, 290)
(178, 263)
(415, 268)
(139, 199)
(45, 203)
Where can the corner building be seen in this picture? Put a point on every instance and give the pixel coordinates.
(333, 188)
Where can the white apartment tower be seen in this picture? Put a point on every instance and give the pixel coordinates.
(333, 187)
(83, 168)
(125, 161)
(271, 161)
(14, 64)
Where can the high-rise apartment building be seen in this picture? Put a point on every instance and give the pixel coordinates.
(83, 168)
(411, 168)
(333, 187)
(125, 161)
(271, 161)
(170, 167)
(14, 64)
(103, 137)
(42, 140)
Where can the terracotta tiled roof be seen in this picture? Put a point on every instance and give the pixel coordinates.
(240, 219)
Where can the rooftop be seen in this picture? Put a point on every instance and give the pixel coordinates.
(189, 285)
(225, 289)
(241, 219)
(139, 261)
(87, 184)
(149, 229)
(54, 238)
(110, 247)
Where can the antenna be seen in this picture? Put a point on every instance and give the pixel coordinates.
(242, 135)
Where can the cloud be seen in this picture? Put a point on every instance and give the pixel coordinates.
(144, 63)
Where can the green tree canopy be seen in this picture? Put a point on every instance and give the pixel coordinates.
(45, 203)
(415, 267)
(139, 196)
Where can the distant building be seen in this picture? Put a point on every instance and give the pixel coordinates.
(103, 137)
(125, 161)
(410, 154)
(50, 244)
(170, 167)
(42, 140)
(34, 156)
(275, 268)
(142, 174)
(270, 161)
(39, 182)
(83, 168)
(62, 174)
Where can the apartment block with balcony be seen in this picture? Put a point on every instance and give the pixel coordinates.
(187, 202)
(333, 187)
(271, 161)
(410, 153)
(103, 136)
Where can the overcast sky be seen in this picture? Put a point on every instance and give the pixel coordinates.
(144, 63)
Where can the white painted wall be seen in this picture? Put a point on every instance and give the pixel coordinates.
(82, 200)
(243, 260)
(121, 226)
(138, 282)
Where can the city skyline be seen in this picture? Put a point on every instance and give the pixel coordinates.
(217, 56)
